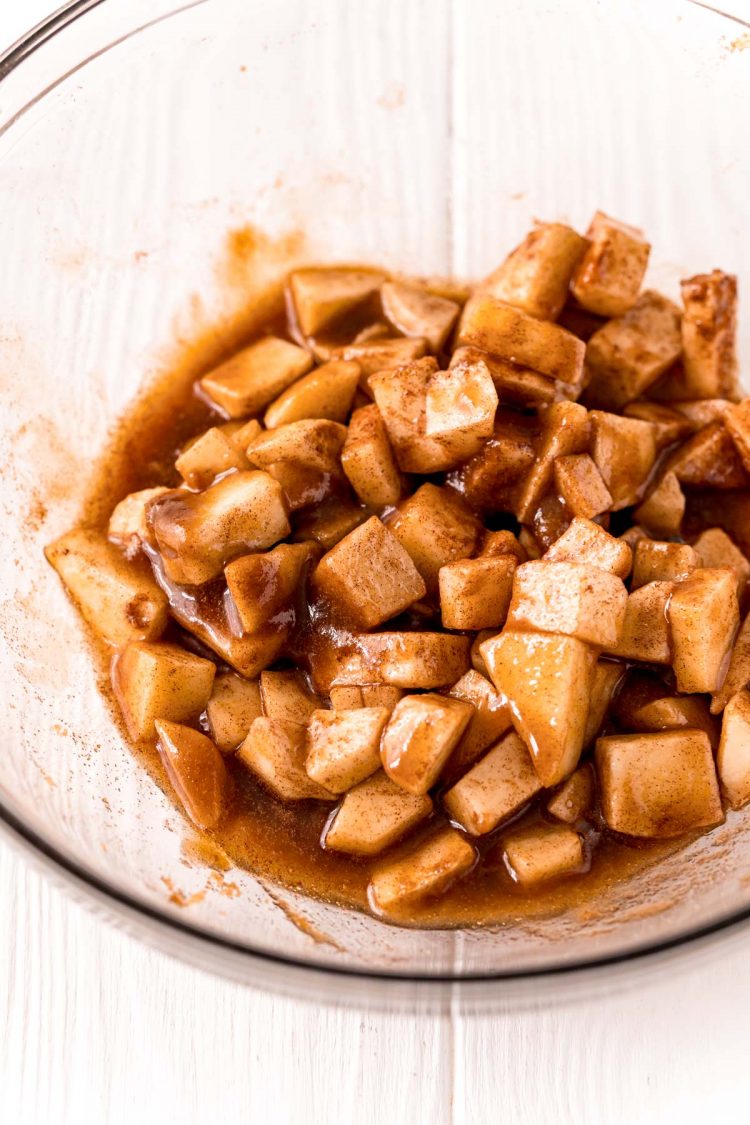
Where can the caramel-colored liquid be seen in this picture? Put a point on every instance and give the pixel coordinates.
(282, 842)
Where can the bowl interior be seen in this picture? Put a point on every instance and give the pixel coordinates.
(160, 169)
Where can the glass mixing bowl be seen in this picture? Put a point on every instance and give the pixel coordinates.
(160, 166)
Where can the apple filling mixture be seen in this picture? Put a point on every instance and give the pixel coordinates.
(456, 576)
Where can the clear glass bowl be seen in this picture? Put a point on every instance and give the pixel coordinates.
(160, 166)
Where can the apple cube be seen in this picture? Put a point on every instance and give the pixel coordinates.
(714, 548)
(496, 788)
(343, 747)
(510, 334)
(564, 597)
(737, 423)
(536, 275)
(119, 599)
(322, 295)
(607, 675)
(369, 576)
(327, 392)
(422, 732)
(565, 430)
(401, 397)
(580, 485)
(252, 378)
(460, 406)
(329, 522)
(429, 870)
(415, 661)
(475, 593)
(709, 325)
(549, 851)
(663, 509)
(263, 584)
(286, 696)
(489, 721)
(551, 722)
(436, 527)
(128, 527)
(515, 385)
(738, 673)
(709, 459)
(368, 462)
(590, 545)
(417, 312)
(624, 450)
(196, 770)
(646, 634)
(630, 352)
(704, 616)
(575, 797)
(208, 456)
(493, 478)
(647, 704)
(160, 681)
(658, 785)
(733, 760)
(368, 695)
(380, 354)
(373, 815)
(669, 425)
(662, 562)
(199, 533)
(500, 544)
(275, 751)
(230, 711)
(315, 443)
(611, 270)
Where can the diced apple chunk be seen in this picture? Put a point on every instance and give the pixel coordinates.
(429, 870)
(415, 661)
(580, 485)
(230, 711)
(315, 443)
(475, 593)
(196, 770)
(368, 462)
(328, 522)
(565, 430)
(733, 760)
(368, 695)
(422, 732)
(737, 422)
(498, 786)
(575, 796)
(510, 334)
(243, 434)
(436, 527)
(709, 459)
(118, 598)
(417, 312)
(630, 352)
(658, 785)
(547, 680)
(127, 524)
(670, 426)
(493, 478)
(489, 721)
(275, 751)
(381, 354)
(611, 270)
(536, 275)
(563, 597)
(327, 392)
(704, 617)
(247, 382)
(738, 673)
(714, 548)
(322, 295)
(647, 704)
(515, 385)
(373, 815)
(210, 455)
(624, 450)
(498, 544)
(160, 681)
(199, 533)
(369, 576)
(460, 406)
(645, 631)
(662, 562)
(708, 335)
(549, 851)
(343, 747)
(263, 584)
(663, 509)
(607, 676)
(590, 545)
(287, 696)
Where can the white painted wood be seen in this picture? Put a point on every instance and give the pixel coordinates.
(97, 1028)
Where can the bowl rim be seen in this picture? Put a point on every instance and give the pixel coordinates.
(190, 943)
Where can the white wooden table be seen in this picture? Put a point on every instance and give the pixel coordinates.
(97, 1028)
